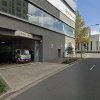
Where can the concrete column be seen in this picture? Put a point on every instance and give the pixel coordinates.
(34, 51)
(37, 51)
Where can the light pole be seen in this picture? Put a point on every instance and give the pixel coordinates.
(89, 27)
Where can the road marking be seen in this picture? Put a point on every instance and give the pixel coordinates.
(92, 67)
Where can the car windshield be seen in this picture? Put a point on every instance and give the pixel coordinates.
(24, 52)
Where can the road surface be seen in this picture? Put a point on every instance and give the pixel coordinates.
(78, 82)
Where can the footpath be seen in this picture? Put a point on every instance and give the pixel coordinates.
(19, 76)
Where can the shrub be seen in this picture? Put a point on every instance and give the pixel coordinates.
(2, 86)
(69, 61)
(70, 48)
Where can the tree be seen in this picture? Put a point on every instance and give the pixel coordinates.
(81, 32)
(70, 48)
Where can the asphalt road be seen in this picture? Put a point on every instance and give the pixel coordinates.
(78, 82)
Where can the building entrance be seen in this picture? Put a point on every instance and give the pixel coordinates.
(59, 52)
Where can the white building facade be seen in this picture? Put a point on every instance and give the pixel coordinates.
(93, 46)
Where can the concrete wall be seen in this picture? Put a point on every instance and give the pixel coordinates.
(51, 52)
(98, 45)
(66, 20)
(94, 39)
(49, 37)
(6, 32)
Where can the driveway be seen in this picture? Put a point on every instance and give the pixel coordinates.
(20, 76)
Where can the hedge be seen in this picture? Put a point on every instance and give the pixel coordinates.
(69, 61)
(2, 86)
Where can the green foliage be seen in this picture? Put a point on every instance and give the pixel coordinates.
(70, 48)
(81, 32)
(69, 61)
(2, 86)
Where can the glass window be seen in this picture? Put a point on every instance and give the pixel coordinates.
(4, 10)
(11, 4)
(39, 17)
(18, 9)
(18, 51)
(91, 45)
(18, 3)
(24, 11)
(4, 3)
(24, 52)
(18, 15)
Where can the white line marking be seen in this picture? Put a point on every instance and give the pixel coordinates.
(92, 67)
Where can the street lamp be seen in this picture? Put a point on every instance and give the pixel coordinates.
(94, 25)
(89, 27)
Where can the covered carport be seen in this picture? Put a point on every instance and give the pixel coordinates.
(18, 40)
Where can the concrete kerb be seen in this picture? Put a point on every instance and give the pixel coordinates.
(11, 93)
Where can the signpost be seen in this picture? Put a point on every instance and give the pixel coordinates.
(23, 34)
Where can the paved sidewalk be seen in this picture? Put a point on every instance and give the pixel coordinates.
(20, 76)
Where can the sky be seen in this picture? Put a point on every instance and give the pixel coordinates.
(90, 13)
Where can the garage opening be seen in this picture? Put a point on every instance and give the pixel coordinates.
(5, 51)
(8, 45)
